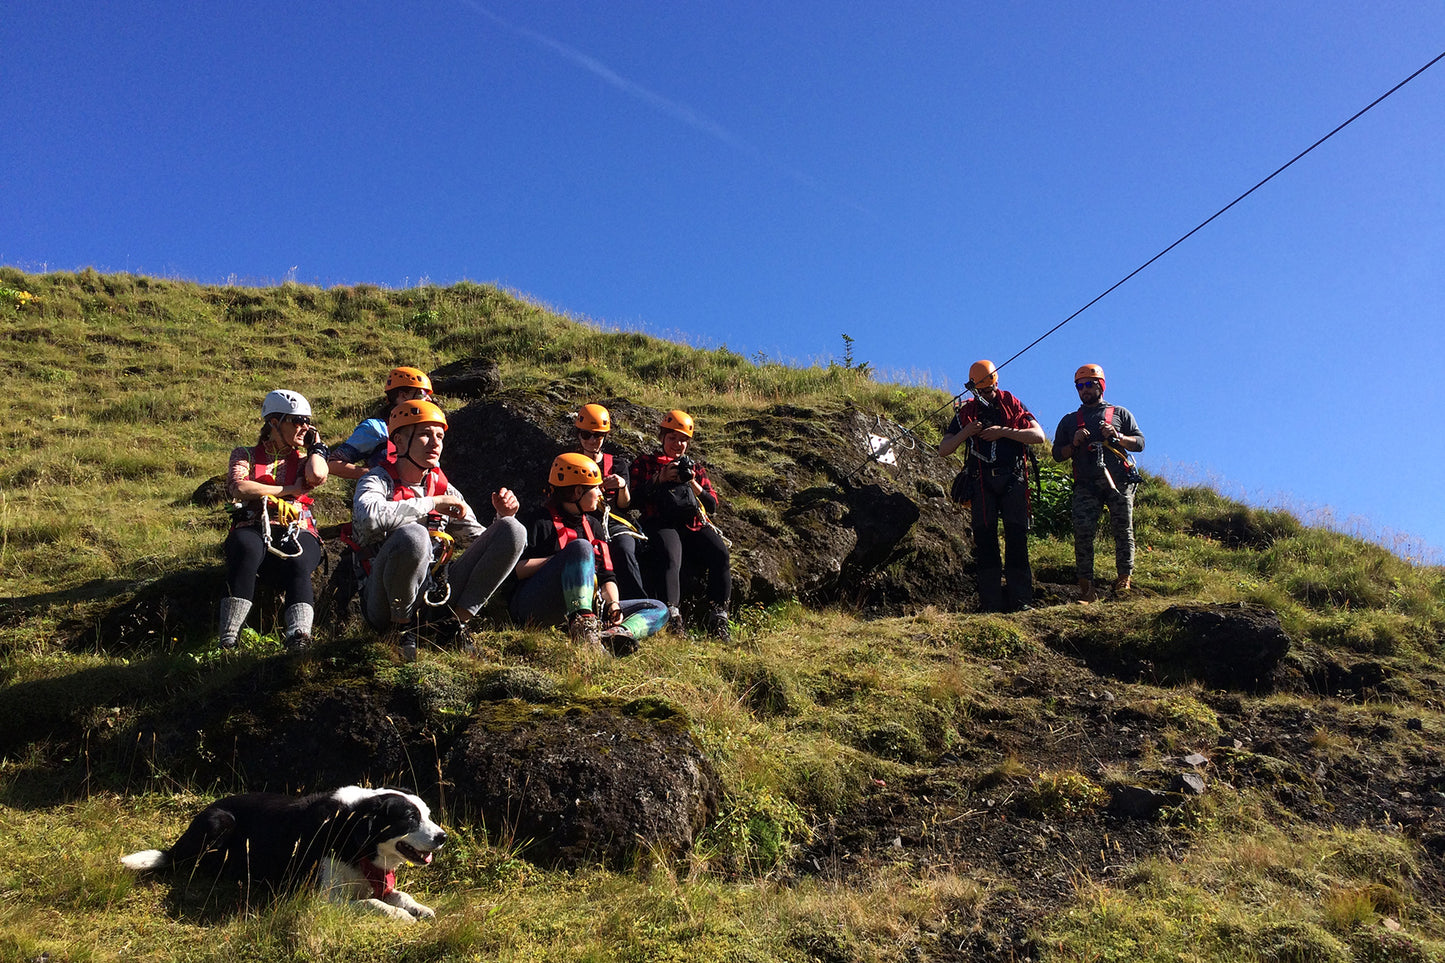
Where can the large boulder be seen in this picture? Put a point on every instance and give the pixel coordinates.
(575, 783)
(810, 516)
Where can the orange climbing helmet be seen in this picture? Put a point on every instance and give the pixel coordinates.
(982, 374)
(407, 378)
(415, 413)
(679, 421)
(1090, 372)
(594, 418)
(573, 468)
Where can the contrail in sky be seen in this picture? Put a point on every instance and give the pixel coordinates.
(670, 108)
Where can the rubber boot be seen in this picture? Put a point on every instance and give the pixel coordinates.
(1086, 591)
(298, 626)
(233, 617)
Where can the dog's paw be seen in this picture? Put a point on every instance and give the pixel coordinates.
(423, 912)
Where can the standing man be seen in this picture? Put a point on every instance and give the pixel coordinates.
(1099, 438)
(998, 430)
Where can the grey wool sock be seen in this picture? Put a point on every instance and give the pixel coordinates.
(233, 617)
(298, 618)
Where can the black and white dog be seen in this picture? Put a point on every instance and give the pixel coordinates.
(350, 841)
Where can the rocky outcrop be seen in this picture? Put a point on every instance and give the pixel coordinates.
(809, 515)
(573, 783)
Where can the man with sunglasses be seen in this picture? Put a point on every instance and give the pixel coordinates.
(998, 430)
(594, 424)
(1099, 437)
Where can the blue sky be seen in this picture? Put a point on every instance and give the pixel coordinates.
(940, 181)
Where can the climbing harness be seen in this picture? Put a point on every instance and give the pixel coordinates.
(438, 589)
(288, 517)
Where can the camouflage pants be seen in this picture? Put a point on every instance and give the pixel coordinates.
(1089, 502)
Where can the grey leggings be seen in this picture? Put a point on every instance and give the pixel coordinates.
(392, 592)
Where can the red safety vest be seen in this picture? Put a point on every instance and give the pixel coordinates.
(291, 469)
(566, 533)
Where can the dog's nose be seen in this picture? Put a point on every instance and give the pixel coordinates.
(440, 838)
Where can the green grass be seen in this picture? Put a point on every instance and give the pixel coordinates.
(130, 392)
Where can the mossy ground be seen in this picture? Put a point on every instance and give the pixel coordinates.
(919, 787)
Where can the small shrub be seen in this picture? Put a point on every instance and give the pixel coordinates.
(1064, 793)
(756, 833)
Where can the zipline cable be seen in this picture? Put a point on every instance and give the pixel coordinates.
(1226, 207)
(889, 441)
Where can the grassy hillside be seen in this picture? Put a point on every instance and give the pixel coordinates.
(924, 787)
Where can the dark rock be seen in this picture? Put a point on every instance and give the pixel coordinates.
(468, 378)
(1226, 646)
(866, 534)
(1415, 724)
(210, 493)
(1188, 783)
(1138, 802)
(581, 782)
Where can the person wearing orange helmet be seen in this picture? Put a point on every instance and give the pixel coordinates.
(594, 426)
(273, 535)
(997, 429)
(366, 447)
(1098, 438)
(566, 571)
(405, 514)
(677, 499)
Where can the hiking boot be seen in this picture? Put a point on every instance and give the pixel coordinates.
(457, 634)
(1121, 585)
(583, 631)
(299, 641)
(674, 621)
(717, 624)
(1086, 591)
(406, 643)
(619, 640)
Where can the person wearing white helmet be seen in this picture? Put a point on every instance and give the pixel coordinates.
(273, 535)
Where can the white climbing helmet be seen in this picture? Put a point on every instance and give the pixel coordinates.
(284, 402)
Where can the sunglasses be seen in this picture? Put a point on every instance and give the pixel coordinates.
(1084, 384)
(589, 435)
(296, 419)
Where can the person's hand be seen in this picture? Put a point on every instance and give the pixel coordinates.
(1111, 434)
(993, 433)
(449, 505)
(505, 503)
(1081, 437)
(611, 613)
(310, 437)
(613, 482)
(668, 474)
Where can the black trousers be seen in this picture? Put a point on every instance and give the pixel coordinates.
(247, 559)
(1011, 506)
(668, 548)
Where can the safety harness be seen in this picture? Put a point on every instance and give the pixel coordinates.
(290, 515)
(437, 590)
(565, 534)
(1131, 471)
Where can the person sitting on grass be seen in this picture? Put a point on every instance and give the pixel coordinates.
(404, 515)
(676, 498)
(594, 424)
(566, 572)
(273, 535)
(366, 447)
